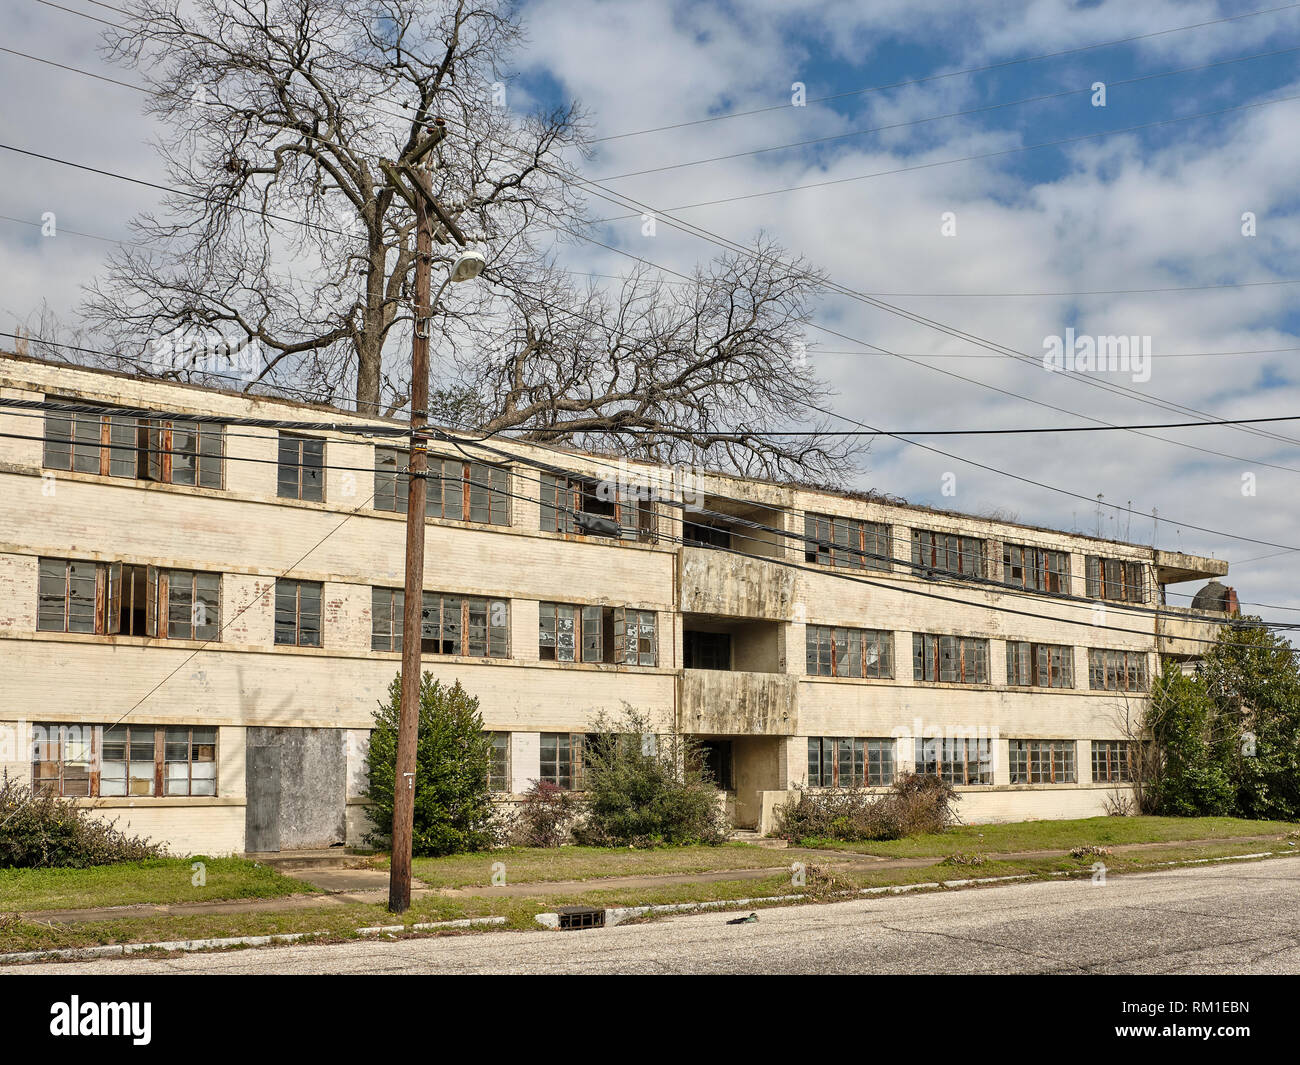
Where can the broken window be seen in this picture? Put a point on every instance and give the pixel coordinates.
(1041, 761)
(571, 504)
(1040, 665)
(456, 489)
(568, 632)
(297, 613)
(831, 541)
(449, 625)
(1113, 578)
(936, 553)
(122, 599)
(707, 534)
(840, 652)
(499, 762)
(1035, 568)
(634, 637)
(135, 761)
(1112, 761)
(956, 759)
(146, 449)
(1117, 670)
(950, 659)
(839, 762)
(301, 472)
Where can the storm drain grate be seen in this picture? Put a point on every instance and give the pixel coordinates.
(573, 918)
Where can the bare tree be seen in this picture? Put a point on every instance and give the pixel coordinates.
(283, 231)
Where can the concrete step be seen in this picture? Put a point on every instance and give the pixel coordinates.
(285, 861)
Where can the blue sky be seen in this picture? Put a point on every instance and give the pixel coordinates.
(1155, 208)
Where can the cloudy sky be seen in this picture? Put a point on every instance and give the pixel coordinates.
(962, 171)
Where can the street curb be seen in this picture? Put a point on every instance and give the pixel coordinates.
(116, 950)
(618, 914)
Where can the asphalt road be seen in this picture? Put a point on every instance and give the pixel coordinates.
(1230, 918)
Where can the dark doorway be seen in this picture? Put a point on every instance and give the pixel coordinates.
(716, 758)
(706, 650)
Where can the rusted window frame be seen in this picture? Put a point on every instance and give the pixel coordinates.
(1036, 657)
(498, 500)
(98, 613)
(299, 465)
(829, 637)
(1037, 572)
(867, 544)
(297, 612)
(925, 555)
(927, 651)
(1115, 758)
(1126, 583)
(946, 768)
(499, 783)
(561, 497)
(1026, 760)
(1128, 667)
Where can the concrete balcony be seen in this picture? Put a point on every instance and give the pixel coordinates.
(1182, 632)
(722, 703)
(725, 584)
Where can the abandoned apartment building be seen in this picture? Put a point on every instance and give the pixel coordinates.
(198, 620)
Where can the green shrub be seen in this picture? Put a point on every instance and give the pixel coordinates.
(645, 790)
(453, 807)
(44, 832)
(913, 805)
(545, 817)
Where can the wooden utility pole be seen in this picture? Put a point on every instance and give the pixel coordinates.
(408, 728)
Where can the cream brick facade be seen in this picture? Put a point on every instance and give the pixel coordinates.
(758, 715)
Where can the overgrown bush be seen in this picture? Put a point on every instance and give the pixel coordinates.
(912, 806)
(645, 790)
(453, 807)
(44, 832)
(545, 817)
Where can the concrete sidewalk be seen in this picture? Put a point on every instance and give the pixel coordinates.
(342, 886)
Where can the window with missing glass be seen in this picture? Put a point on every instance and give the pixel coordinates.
(123, 599)
(956, 759)
(1039, 665)
(456, 489)
(1035, 569)
(297, 613)
(950, 659)
(846, 542)
(1112, 761)
(1041, 761)
(1116, 579)
(840, 652)
(301, 468)
(946, 554)
(171, 451)
(1117, 670)
(846, 762)
(571, 504)
(571, 632)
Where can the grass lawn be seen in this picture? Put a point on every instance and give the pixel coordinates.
(341, 922)
(160, 880)
(1063, 835)
(528, 865)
